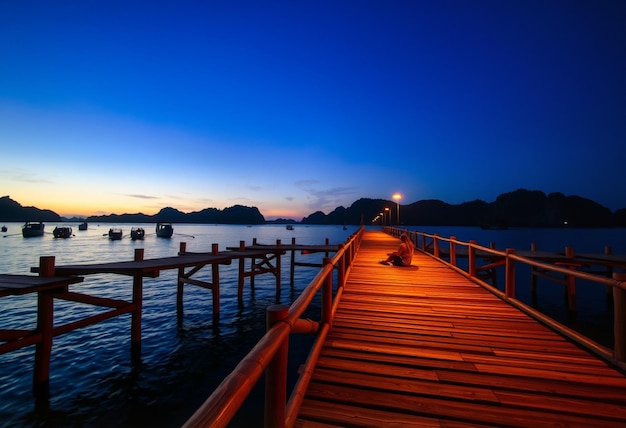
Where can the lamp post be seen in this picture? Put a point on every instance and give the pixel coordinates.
(388, 215)
(396, 197)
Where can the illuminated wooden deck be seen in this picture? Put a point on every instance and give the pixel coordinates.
(427, 347)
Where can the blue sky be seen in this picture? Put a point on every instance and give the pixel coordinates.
(300, 106)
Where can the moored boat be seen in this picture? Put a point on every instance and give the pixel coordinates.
(82, 226)
(33, 228)
(62, 232)
(115, 234)
(164, 230)
(289, 227)
(137, 233)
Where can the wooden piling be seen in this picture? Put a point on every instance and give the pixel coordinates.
(45, 326)
(292, 269)
(278, 269)
(135, 341)
(215, 288)
(242, 270)
(180, 284)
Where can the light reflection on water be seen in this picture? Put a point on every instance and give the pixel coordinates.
(93, 381)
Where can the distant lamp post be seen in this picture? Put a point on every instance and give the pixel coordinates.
(396, 197)
(388, 215)
(382, 218)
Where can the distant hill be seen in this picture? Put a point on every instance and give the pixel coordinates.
(520, 208)
(237, 214)
(13, 211)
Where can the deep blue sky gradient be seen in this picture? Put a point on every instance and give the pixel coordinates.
(299, 106)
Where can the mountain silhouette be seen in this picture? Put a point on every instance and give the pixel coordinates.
(520, 208)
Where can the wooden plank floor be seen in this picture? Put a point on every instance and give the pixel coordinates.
(424, 346)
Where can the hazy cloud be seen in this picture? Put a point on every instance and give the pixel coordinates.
(142, 196)
(23, 176)
(325, 199)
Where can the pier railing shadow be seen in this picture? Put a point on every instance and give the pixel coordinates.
(270, 354)
(498, 263)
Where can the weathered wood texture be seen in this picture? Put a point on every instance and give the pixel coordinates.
(424, 346)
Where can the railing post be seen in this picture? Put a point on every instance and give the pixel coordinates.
(436, 245)
(609, 269)
(341, 275)
(135, 334)
(45, 326)
(619, 318)
(533, 273)
(453, 250)
(509, 283)
(571, 282)
(471, 257)
(215, 280)
(327, 295)
(276, 373)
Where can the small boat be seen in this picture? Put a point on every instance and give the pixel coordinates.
(4, 228)
(32, 228)
(289, 227)
(137, 233)
(82, 226)
(115, 234)
(164, 230)
(62, 232)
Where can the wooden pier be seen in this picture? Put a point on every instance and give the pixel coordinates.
(425, 346)
(53, 284)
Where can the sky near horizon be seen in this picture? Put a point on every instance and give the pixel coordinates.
(302, 106)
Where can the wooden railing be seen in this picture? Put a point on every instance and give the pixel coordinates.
(433, 245)
(270, 355)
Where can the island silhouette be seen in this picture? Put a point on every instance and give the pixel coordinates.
(520, 208)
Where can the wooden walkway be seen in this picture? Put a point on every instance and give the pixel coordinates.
(424, 346)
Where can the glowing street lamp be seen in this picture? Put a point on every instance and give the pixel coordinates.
(388, 215)
(396, 197)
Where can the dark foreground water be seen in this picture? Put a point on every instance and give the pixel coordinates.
(93, 381)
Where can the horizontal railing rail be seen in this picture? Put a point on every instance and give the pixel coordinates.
(431, 244)
(270, 354)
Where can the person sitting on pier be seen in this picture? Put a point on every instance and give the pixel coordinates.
(403, 256)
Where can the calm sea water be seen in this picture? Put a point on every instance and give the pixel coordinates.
(93, 381)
